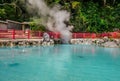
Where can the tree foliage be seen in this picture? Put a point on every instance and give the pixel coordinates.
(86, 15)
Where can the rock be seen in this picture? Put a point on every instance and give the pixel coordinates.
(46, 37)
(110, 44)
(106, 39)
(106, 42)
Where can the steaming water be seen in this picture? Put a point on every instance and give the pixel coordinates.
(53, 18)
(60, 63)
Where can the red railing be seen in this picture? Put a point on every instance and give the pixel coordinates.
(84, 35)
(54, 35)
(35, 34)
(14, 34)
(5, 34)
(28, 34)
(98, 35)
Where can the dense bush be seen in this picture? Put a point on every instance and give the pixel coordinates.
(91, 17)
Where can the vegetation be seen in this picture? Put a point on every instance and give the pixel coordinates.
(35, 26)
(86, 15)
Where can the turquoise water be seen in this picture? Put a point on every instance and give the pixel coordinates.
(60, 63)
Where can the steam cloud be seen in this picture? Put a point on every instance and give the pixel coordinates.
(52, 18)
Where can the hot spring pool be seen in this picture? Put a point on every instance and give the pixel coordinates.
(60, 63)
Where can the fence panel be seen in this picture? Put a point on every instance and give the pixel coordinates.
(36, 34)
(20, 34)
(5, 34)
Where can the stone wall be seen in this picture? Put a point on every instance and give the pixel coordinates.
(25, 42)
(104, 42)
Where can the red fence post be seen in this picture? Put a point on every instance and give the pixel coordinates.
(115, 34)
(83, 35)
(75, 35)
(28, 34)
(39, 34)
(13, 34)
(93, 35)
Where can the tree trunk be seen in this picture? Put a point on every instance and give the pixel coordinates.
(104, 2)
(113, 2)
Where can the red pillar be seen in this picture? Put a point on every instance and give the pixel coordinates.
(28, 34)
(75, 35)
(93, 35)
(13, 34)
(39, 34)
(83, 35)
(115, 34)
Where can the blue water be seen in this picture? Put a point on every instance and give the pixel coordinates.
(60, 63)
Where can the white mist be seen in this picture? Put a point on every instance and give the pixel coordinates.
(52, 18)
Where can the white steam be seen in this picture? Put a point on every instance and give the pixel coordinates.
(52, 18)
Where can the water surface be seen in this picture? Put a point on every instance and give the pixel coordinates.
(60, 63)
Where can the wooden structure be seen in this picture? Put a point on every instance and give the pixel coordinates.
(9, 24)
(25, 26)
(17, 25)
(3, 25)
(12, 29)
